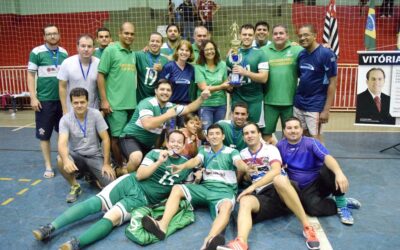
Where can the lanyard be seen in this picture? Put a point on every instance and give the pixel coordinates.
(87, 72)
(53, 53)
(214, 155)
(151, 61)
(83, 128)
(235, 136)
(254, 156)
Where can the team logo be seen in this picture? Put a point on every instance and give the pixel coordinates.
(307, 66)
(41, 131)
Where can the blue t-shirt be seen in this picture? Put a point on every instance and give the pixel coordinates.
(315, 69)
(180, 80)
(303, 160)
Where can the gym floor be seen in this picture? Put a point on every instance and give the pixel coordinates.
(27, 200)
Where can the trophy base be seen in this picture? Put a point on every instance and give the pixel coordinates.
(235, 80)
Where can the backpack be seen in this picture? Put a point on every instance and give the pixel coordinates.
(136, 233)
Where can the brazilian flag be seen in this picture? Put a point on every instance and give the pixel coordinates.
(370, 28)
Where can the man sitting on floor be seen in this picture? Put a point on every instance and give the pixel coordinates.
(217, 191)
(150, 185)
(316, 174)
(262, 200)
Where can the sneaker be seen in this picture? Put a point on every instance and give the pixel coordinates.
(73, 244)
(235, 244)
(345, 216)
(353, 203)
(74, 193)
(214, 242)
(312, 241)
(43, 232)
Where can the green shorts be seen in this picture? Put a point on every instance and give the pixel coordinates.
(206, 195)
(272, 113)
(117, 121)
(124, 193)
(256, 111)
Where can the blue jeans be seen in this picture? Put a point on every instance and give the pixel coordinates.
(211, 115)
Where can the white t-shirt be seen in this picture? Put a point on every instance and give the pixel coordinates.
(71, 72)
(263, 159)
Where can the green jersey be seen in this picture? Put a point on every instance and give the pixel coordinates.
(220, 171)
(147, 107)
(212, 77)
(166, 50)
(158, 186)
(119, 67)
(255, 61)
(98, 52)
(196, 52)
(147, 76)
(233, 135)
(282, 79)
(46, 63)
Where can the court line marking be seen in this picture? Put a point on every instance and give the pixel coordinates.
(23, 191)
(323, 239)
(6, 179)
(24, 180)
(7, 201)
(36, 182)
(25, 126)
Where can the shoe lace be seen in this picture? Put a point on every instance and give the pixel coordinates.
(311, 236)
(236, 242)
(74, 189)
(46, 230)
(345, 212)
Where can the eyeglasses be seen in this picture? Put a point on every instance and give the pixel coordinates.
(52, 34)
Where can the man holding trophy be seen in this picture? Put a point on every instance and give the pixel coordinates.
(249, 70)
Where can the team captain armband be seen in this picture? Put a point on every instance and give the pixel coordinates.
(179, 109)
(263, 66)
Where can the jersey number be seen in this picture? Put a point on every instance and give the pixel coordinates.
(151, 76)
(247, 80)
(167, 179)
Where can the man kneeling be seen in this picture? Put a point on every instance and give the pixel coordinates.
(81, 130)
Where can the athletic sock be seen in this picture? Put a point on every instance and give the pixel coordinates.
(96, 232)
(78, 212)
(340, 201)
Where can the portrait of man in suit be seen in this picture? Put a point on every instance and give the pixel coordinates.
(372, 104)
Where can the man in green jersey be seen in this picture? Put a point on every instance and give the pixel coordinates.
(282, 80)
(117, 80)
(149, 121)
(103, 38)
(217, 190)
(253, 72)
(233, 129)
(44, 62)
(261, 35)
(149, 63)
(150, 185)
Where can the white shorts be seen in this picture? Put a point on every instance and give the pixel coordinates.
(309, 121)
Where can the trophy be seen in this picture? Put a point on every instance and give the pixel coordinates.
(235, 57)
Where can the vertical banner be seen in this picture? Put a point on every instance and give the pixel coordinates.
(378, 88)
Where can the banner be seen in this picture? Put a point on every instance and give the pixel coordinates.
(378, 88)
